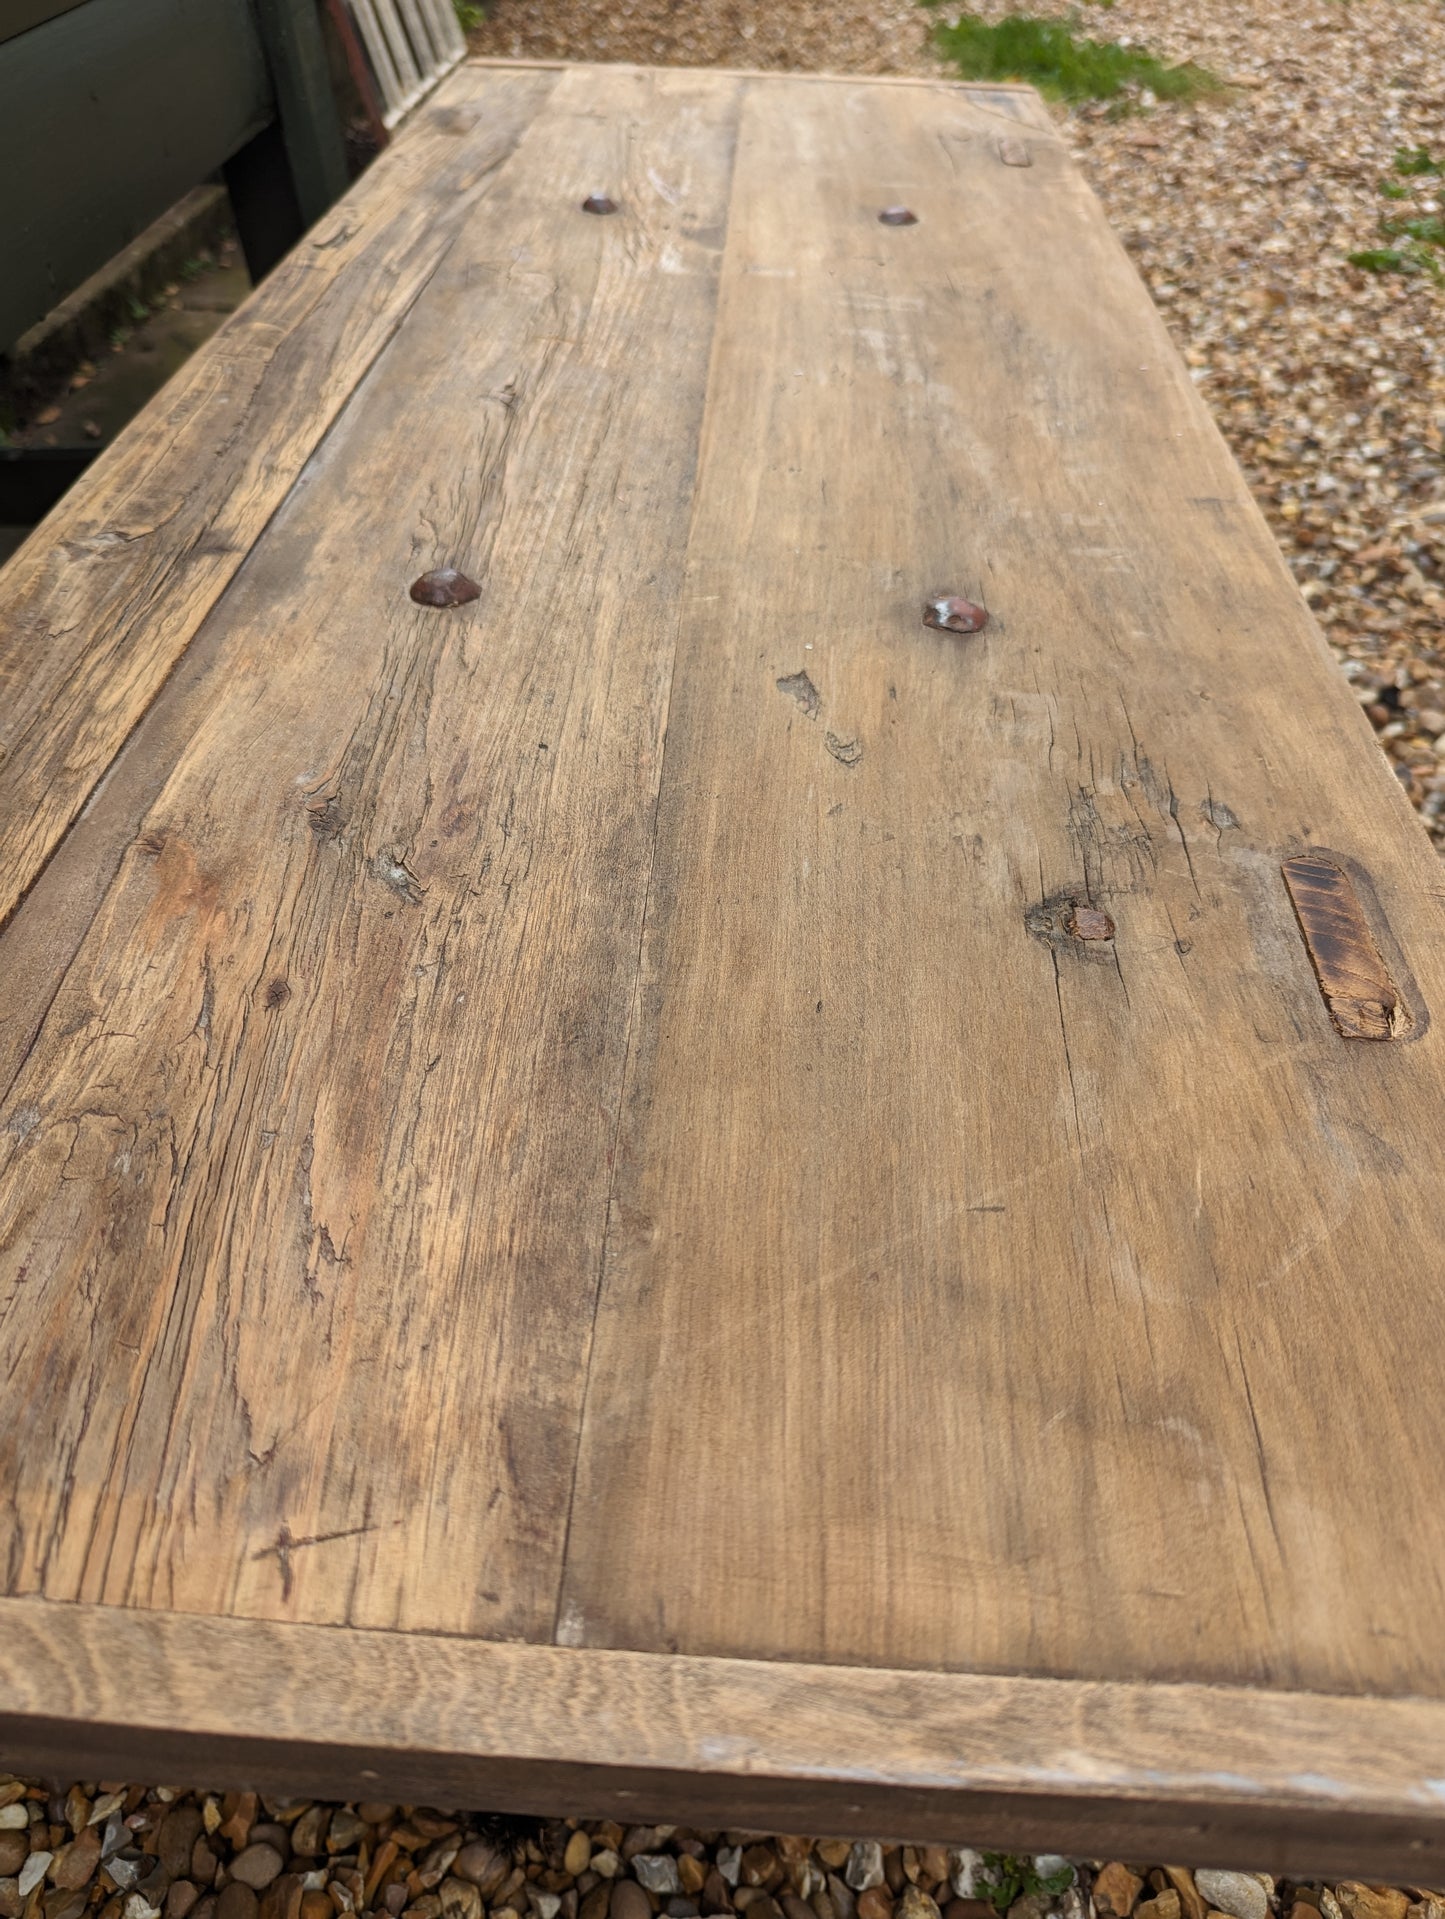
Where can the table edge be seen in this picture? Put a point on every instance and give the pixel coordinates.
(1188, 1772)
(980, 91)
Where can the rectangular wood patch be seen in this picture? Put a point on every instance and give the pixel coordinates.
(1363, 1000)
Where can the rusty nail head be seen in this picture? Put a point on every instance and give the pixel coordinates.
(445, 587)
(599, 203)
(1089, 923)
(898, 217)
(950, 613)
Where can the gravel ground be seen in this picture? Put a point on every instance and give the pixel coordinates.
(137, 1852)
(1240, 210)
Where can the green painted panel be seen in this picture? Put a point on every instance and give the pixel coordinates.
(19, 16)
(108, 114)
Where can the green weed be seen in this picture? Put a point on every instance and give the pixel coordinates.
(1415, 257)
(1048, 54)
(1392, 190)
(1428, 227)
(1413, 161)
(468, 15)
(1007, 1876)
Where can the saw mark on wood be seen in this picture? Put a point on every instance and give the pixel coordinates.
(287, 1543)
(1362, 998)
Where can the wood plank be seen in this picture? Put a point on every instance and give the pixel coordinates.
(101, 601)
(304, 1180)
(1298, 1784)
(979, 1296)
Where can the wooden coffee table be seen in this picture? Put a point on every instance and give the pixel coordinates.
(669, 1191)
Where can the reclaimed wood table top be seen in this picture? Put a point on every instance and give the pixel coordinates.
(668, 1190)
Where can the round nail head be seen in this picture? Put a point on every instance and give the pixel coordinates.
(898, 217)
(950, 613)
(445, 587)
(598, 203)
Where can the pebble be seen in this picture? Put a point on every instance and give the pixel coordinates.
(238, 1901)
(308, 1835)
(691, 1873)
(177, 1837)
(1117, 1890)
(628, 1901)
(162, 1861)
(235, 1827)
(1370, 1902)
(1164, 1905)
(76, 1866)
(14, 1818)
(1237, 1893)
(257, 1866)
(865, 1865)
(345, 1831)
(484, 1865)
(657, 1871)
(460, 1899)
(964, 1867)
(32, 1872)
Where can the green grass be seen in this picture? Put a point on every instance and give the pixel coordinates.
(1064, 67)
(468, 16)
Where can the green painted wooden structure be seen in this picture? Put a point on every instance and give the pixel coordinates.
(110, 110)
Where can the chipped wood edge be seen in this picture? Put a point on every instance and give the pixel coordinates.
(1294, 1782)
(980, 91)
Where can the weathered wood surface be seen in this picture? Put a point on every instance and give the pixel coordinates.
(100, 604)
(1157, 1771)
(674, 1110)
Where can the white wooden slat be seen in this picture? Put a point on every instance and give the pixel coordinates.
(388, 80)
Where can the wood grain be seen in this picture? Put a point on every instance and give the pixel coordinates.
(304, 1180)
(1007, 1412)
(101, 601)
(979, 1295)
(1290, 1783)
